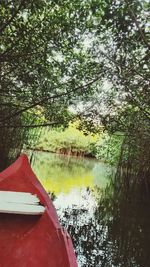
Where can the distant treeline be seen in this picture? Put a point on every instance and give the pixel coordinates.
(75, 142)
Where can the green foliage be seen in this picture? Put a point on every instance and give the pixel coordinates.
(69, 141)
(108, 148)
(120, 50)
(72, 141)
(54, 54)
(43, 59)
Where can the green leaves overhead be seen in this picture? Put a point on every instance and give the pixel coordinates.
(54, 51)
(42, 52)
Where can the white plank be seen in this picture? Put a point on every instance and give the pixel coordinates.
(18, 197)
(16, 208)
(20, 203)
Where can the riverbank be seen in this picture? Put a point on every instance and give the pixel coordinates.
(76, 154)
(74, 142)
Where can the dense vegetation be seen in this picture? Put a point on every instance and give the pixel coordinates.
(70, 141)
(44, 66)
(54, 55)
(69, 60)
(108, 147)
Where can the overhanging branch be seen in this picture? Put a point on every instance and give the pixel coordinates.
(40, 102)
(31, 125)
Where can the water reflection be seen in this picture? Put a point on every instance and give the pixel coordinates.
(117, 233)
(62, 174)
(109, 225)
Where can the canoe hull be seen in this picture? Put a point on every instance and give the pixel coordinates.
(32, 241)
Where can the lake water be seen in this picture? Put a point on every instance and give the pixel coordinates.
(107, 228)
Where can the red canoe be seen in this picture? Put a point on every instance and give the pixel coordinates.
(32, 240)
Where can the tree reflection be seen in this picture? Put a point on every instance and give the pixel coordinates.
(115, 233)
(118, 232)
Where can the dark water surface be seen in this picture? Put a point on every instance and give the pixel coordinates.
(109, 228)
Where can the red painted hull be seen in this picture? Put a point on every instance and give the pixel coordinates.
(32, 241)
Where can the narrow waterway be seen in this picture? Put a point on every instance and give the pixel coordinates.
(107, 228)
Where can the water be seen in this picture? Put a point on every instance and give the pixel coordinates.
(109, 228)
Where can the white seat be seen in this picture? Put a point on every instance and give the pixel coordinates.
(20, 203)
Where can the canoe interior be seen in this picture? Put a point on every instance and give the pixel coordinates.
(28, 241)
(14, 227)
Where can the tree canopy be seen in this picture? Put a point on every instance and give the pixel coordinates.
(43, 60)
(54, 54)
(121, 50)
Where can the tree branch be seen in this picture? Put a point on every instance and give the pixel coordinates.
(31, 125)
(50, 98)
